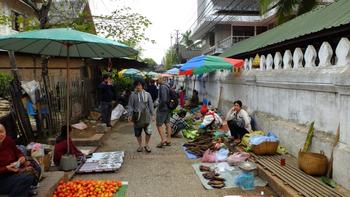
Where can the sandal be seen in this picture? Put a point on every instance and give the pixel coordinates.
(148, 149)
(160, 145)
(167, 143)
(139, 149)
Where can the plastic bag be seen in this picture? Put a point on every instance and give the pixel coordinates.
(246, 137)
(238, 158)
(208, 157)
(245, 180)
(80, 126)
(221, 155)
(208, 119)
(118, 112)
(30, 88)
(256, 140)
(37, 150)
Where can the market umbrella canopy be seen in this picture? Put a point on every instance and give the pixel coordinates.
(152, 74)
(131, 72)
(207, 63)
(173, 71)
(53, 42)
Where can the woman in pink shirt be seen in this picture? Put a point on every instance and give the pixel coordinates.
(182, 97)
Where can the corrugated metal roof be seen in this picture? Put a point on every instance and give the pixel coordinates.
(325, 17)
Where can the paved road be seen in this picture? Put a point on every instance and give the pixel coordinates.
(162, 173)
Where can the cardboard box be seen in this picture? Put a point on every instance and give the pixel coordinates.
(45, 162)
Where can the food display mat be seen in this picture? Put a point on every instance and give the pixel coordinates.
(227, 172)
(102, 162)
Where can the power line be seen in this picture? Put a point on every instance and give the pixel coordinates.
(194, 14)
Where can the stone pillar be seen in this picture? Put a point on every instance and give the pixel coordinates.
(278, 61)
(297, 58)
(269, 62)
(287, 59)
(325, 54)
(310, 57)
(262, 62)
(343, 52)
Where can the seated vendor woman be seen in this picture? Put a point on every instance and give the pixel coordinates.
(16, 174)
(194, 101)
(61, 147)
(238, 120)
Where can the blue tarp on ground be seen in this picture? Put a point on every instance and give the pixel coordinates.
(189, 155)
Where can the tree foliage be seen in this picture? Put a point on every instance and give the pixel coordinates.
(150, 62)
(171, 58)
(123, 25)
(120, 83)
(287, 9)
(5, 80)
(186, 39)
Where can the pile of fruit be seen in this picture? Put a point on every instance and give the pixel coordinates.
(82, 188)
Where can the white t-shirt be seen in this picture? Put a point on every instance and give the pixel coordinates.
(242, 114)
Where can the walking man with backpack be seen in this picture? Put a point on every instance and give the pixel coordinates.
(167, 102)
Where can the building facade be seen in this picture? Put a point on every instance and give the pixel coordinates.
(220, 24)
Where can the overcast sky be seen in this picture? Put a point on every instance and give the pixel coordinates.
(166, 16)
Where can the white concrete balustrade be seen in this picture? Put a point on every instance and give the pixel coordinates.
(295, 60)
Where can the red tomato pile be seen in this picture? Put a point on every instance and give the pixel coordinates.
(85, 188)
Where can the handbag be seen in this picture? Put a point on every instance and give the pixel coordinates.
(142, 118)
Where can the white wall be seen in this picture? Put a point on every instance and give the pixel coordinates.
(286, 99)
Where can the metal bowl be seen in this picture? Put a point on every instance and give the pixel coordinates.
(247, 166)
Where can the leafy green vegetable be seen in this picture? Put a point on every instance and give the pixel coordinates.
(328, 181)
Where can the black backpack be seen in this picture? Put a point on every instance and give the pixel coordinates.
(173, 100)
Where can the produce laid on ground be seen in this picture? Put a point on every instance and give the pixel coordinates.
(81, 188)
(214, 178)
(208, 140)
(201, 143)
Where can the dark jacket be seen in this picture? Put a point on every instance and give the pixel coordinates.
(106, 92)
(152, 89)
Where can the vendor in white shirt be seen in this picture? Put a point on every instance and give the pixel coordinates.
(238, 120)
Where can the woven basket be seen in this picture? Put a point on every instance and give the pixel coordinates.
(265, 148)
(313, 163)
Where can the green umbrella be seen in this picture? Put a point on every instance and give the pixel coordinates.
(64, 42)
(152, 74)
(131, 72)
(56, 42)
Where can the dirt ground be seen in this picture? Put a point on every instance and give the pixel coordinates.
(86, 133)
(162, 173)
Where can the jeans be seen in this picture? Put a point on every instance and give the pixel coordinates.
(106, 112)
(16, 185)
(236, 131)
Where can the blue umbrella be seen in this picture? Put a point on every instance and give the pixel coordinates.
(173, 71)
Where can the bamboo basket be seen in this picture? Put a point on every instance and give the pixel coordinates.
(314, 164)
(265, 148)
